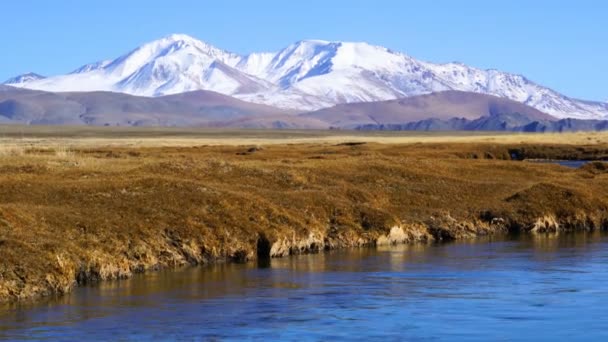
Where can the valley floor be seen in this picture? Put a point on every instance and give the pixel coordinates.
(92, 136)
(79, 205)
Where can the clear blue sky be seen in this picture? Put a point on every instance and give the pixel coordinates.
(561, 44)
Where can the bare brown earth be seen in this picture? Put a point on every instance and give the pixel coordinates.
(209, 109)
(441, 105)
(80, 213)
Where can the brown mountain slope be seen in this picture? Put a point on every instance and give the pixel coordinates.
(198, 108)
(443, 105)
(451, 110)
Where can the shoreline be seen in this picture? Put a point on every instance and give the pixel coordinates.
(257, 263)
(382, 242)
(83, 215)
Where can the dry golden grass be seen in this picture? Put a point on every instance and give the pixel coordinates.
(84, 209)
(11, 149)
(90, 137)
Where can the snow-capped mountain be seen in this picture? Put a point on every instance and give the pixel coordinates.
(24, 78)
(307, 75)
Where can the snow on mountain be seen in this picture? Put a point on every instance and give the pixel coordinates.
(174, 64)
(23, 79)
(309, 74)
(91, 67)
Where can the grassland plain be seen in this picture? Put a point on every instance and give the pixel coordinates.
(83, 205)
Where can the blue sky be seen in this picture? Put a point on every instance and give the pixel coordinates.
(560, 44)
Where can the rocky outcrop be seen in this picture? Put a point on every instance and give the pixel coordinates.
(411, 234)
(310, 244)
(546, 224)
(510, 122)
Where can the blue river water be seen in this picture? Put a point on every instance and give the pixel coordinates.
(575, 164)
(552, 287)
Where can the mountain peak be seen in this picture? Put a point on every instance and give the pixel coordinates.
(312, 42)
(183, 40)
(24, 78)
(174, 42)
(164, 60)
(307, 74)
(91, 67)
(179, 36)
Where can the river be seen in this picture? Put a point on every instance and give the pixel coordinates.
(515, 287)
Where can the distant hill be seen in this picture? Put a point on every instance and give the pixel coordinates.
(451, 110)
(435, 107)
(198, 108)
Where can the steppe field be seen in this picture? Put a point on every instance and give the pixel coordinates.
(81, 205)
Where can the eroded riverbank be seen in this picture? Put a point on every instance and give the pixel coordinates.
(491, 288)
(76, 216)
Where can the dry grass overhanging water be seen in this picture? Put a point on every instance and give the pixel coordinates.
(76, 209)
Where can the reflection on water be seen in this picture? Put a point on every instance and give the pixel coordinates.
(540, 287)
(575, 164)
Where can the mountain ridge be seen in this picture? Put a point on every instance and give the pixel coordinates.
(197, 108)
(442, 111)
(24, 78)
(306, 75)
(442, 106)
